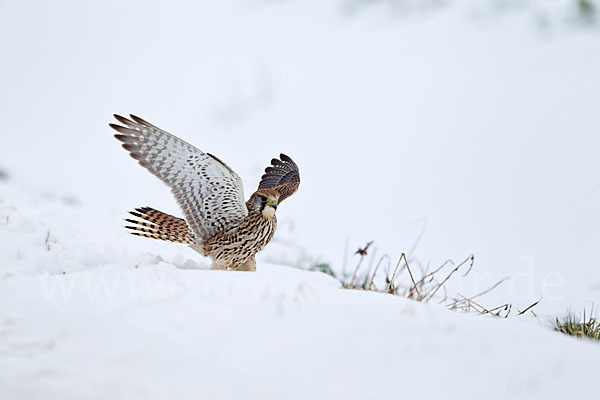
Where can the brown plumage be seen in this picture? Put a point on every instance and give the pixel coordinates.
(217, 222)
(160, 225)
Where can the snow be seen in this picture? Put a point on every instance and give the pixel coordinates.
(87, 312)
(474, 123)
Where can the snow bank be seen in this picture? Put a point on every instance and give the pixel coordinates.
(100, 318)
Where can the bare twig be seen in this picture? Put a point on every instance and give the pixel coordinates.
(370, 267)
(403, 255)
(470, 258)
(504, 307)
(385, 256)
(435, 271)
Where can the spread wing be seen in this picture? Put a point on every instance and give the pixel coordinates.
(208, 191)
(283, 176)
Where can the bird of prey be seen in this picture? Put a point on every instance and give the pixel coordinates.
(217, 222)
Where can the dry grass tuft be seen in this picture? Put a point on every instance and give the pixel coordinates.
(588, 326)
(428, 286)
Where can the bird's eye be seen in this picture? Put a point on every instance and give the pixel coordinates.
(263, 198)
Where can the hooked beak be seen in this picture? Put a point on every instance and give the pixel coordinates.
(272, 203)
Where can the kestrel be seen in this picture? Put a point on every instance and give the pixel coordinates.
(217, 222)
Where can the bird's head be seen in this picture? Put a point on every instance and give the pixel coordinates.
(266, 201)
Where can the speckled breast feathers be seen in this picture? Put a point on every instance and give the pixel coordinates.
(217, 222)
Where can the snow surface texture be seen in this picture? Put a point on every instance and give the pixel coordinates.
(482, 124)
(83, 317)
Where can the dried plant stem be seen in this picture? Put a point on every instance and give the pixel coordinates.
(471, 258)
(375, 271)
(435, 271)
(356, 271)
(362, 253)
(390, 284)
(428, 285)
(490, 288)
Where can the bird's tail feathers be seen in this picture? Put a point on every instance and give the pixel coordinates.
(159, 225)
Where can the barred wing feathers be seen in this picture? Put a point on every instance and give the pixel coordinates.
(283, 176)
(207, 190)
